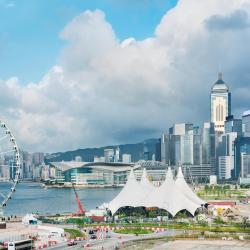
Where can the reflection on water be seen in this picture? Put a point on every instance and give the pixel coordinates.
(31, 198)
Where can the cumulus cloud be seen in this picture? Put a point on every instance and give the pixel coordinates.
(235, 20)
(105, 91)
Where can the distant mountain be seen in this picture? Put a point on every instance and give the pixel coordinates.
(136, 150)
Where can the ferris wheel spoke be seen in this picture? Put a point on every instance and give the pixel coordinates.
(4, 196)
(9, 157)
(4, 137)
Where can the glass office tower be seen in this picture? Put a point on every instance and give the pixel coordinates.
(220, 104)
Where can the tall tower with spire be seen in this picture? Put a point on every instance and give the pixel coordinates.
(220, 104)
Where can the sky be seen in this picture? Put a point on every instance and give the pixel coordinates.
(29, 31)
(77, 73)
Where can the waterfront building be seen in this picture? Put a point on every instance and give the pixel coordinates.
(246, 123)
(99, 159)
(78, 158)
(200, 172)
(109, 155)
(36, 172)
(101, 173)
(126, 158)
(38, 158)
(27, 164)
(45, 174)
(220, 104)
(52, 173)
(4, 172)
(117, 154)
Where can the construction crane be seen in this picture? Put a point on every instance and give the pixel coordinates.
(81, 210)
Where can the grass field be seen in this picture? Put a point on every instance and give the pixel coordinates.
(74, 233)
(133, 231)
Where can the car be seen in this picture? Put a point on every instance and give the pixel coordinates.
(71, 243)
(93, 237)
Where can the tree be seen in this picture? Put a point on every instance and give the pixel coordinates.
(245, 222)
(206, 189)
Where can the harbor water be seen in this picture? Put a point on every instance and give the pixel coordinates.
(32, 198)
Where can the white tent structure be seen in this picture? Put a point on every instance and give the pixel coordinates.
(129, 195)
(169, 196)
(146, 184)
(182, 185)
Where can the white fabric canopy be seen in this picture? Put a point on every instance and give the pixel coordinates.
(171, 196)
(168, 197)
(185, 189)
(145, 183)
(129, 195)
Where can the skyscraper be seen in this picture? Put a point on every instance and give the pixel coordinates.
(220, 104)
(246, 123)
(164, 148)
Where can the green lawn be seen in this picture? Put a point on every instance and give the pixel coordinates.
(133, 231)
(74, 232)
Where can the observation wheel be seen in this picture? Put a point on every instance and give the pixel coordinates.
(10, 164)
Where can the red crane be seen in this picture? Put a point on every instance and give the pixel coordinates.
(81, 210)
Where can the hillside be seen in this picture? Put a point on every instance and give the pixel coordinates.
(87, 154)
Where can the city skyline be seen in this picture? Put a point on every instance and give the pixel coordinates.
(109, 89)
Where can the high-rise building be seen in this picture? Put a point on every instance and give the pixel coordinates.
(208, 143)
(126, 158)
(180, 144)
(241, 146)
(109, 154)
(182, 128)
(164, 147)
(158, 150)
(245, 165)
(233, 125)
(220, 104)
(246, 123)
(225, 151)
(117, 154)
(38, 158)
(225, 164)
(146, 154)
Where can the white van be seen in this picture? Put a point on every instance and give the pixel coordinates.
(11, 246)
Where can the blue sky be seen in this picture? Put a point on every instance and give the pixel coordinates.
(29, 30)
(100, 90)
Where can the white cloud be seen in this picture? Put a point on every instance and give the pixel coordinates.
(108, 91)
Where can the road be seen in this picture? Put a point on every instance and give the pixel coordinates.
(114, 241)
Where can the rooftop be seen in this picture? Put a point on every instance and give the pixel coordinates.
(220, 85)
